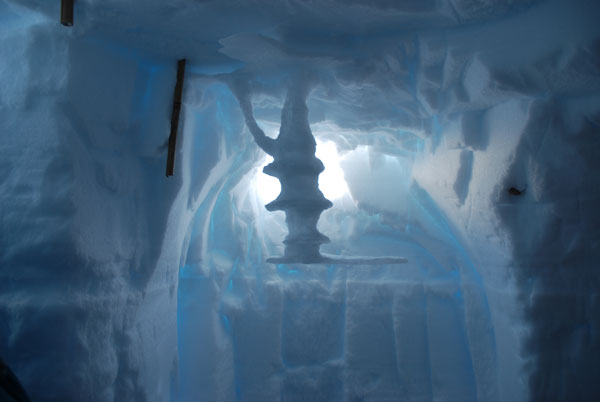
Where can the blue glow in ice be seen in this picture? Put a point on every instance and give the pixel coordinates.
(137, 287)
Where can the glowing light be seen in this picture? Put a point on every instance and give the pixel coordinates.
(331, 182)
(267, 187)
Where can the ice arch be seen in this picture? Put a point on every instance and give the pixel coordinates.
(381, 330)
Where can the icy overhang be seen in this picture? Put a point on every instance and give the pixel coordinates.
(194, 27)
(384, 66)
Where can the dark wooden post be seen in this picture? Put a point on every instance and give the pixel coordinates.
(66, 12)
(175, 116)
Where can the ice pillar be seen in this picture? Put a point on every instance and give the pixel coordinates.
(298, 169)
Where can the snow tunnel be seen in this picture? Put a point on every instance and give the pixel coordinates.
(460, 135)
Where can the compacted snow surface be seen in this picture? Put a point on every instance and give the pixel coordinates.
(462, 135)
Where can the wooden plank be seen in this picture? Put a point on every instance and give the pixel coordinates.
(175, 116)
(66, 12)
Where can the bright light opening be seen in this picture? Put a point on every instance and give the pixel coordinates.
(267, 187)
(331, 182)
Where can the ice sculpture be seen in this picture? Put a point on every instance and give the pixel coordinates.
(298, 169)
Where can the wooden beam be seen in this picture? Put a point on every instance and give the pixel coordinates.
(9, 384)
(175, 116)
(66, 12)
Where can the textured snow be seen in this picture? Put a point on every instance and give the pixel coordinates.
(118, 284)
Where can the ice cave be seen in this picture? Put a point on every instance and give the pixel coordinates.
(368, 201)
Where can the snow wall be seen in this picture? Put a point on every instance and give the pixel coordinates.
(119, 284)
